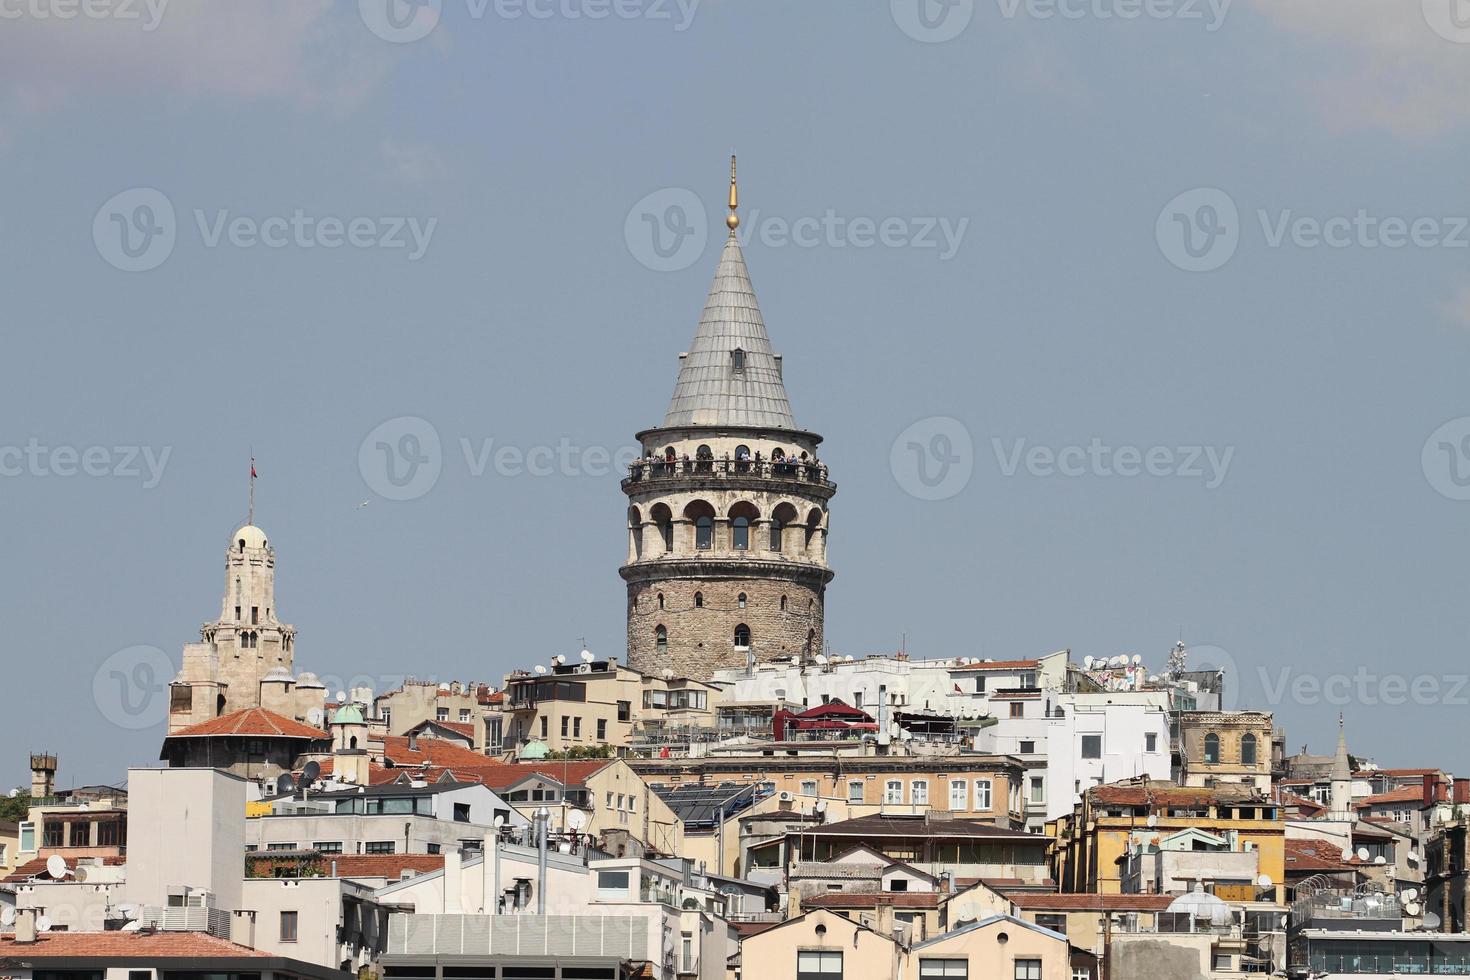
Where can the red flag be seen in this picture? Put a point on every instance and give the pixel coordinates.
(252, 469)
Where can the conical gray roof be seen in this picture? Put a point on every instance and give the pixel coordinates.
(712, 388)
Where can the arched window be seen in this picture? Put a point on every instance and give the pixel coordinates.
(661, 637)
(1248, 750)
(742, 459)
(740, 600)
(660, 600)
(704, 532)
(1212, 747)
(740, 533)
(737, 361)
(783, 603)
(699, 600)
(742, 635)
(352, 742)
(703, 457)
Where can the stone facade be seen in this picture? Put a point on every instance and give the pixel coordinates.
(728, 507)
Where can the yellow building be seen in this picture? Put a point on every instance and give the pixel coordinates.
(1091, 846)
(1220, 748)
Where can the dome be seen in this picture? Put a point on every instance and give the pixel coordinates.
(534, 750)
(309, 680)
(253, 537)
(348, 714)
(278, 674)
(1202, 906)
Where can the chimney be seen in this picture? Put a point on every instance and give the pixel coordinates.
(1428, 789)
(452, 885)
(25, 926)
(1441, 792)
(43, 775)
(413, 743)
(1462, 790)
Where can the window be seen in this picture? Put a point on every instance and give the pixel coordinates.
(1028, 747)
(625, 710)
(387, 714)
(612, 884)
(1038, 789)
(699, 600)
(545, 726)
(687, 953)
(464, 714)
(1018, 709)
(576, 727)
(957, 793)
(28, 836)
(81, 834)
(934, 969)
(602, 729)
(1248, 750)
(980, 684)
(919, 792)
(289, 927)
(704, 532)
(441, 714)
(1053, 921)
(740, 534)
(982, 795)
(1212, 748)
(1151, 741)
(893, 791)
(566, 722)
(737, 362)
(855, 791)
(434, 849)
(281, 846)
(379, 847)
(742, 635)
(740, 600)
(819, 964)
(775, 542)
(461, 813)
(1092, 746)
(898, 885)
(1028, 970)
(328, 846)
(808, 787)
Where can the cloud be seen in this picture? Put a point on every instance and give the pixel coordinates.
(302, 52)
(1398, 66)
(410, 163)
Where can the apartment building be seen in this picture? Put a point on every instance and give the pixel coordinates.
(1217, 748)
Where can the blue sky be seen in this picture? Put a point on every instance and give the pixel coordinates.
(1231, 234)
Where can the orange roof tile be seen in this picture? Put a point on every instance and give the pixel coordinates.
(252, 723)
(1404, 794)
(429, 751)
(160, 945)
(1314, 855)
(999, 665)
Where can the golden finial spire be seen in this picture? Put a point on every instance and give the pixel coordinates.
(732, 219)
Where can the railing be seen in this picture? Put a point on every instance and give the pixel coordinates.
(620, 936)
(725, 469)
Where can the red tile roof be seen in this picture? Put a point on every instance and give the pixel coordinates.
(1404, 794)
(161, 945)
(434, 757)
(429, 751)
(1170, 795)
(465, 728)
(1000, 665)
(1081, 901)
(252, 723)
(1315, 855)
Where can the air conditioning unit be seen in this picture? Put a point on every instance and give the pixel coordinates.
(786, 796)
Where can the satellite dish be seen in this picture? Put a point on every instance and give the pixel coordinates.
(1153, 819)
(1362, 854)
(499, 822)
(43, 924)
(1411, 908)
(540, 669)
(56, 866)
(966, 912)
(821, 659)
(559, 659)
(586, 656)
(285, 784)
(576, 820)
(1347, 853)
(128, 911)
(1410, 894)
(14, 793)
(80, 874)
(848, 659)
(1087, 662)
(1431, 921)
(312, 771)
(1137, 659)
(341, 697)
(1414, 856)
(1380, 859)
(315, 717)
(7, 916)
(132, 927)
(1265, 881)
(821, 806)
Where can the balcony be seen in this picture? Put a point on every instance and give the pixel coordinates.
(727, 472)
(620, 937)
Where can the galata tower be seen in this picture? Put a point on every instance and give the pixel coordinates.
(728, 507)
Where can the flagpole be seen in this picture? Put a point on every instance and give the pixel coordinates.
(251, 518)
